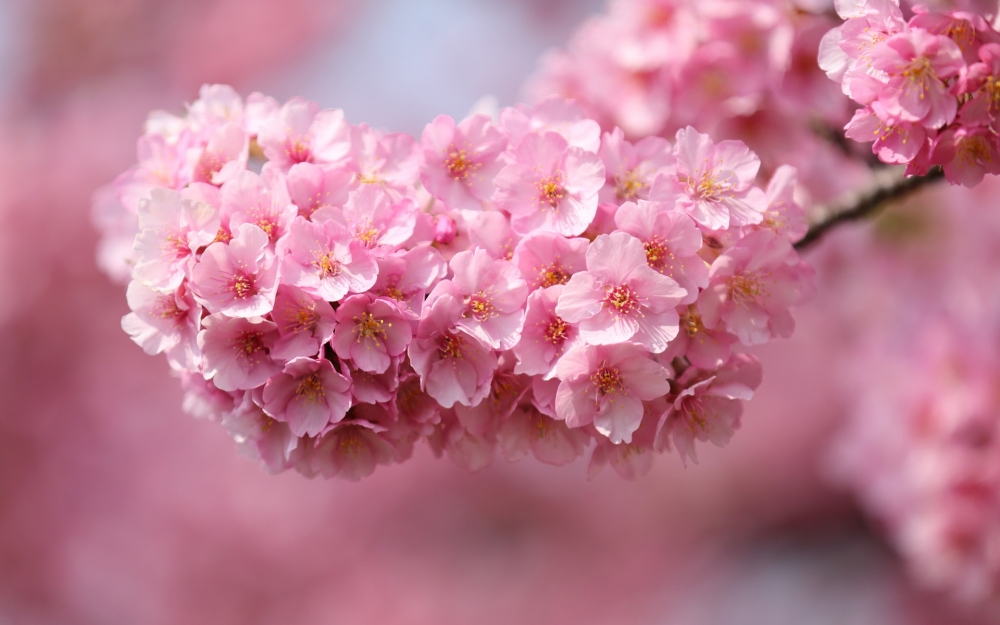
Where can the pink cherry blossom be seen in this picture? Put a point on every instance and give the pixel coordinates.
(453, 365)
(222, 157)
(704, 348)
(620, 297)
(386, 160)
(351, 450)
(709, 408)
(461, 160)
(546, 259)
(491, 231)
(265, 438)
(493, 293)
(307, 395)
(632, 168)
(550, 185)
(752, 286)
(324, 260)
(312, 187)
(406, 278)
(550, 441)
(546, 336)
(606, 385)
(918, 64)
(304, 322)
(171, 230)
(370, 332)
(552, 114)
(714, 182)
(784, 215)
(237, 351)
(301, 133)
(261, 200)
(239, 278)
(374, 218)
(164, 323)
(895, 142)
(967, 154)
(372, 388)
(634, 459)
(671, 240)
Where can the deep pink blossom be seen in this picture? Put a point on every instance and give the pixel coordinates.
(237, 351)
(304, 322)
(406, 278)
(918, 65)
(550, 185)
(632, 168)
(546, 259)
(606, 385)
(546, 336)
(239, 278)
(967, 154)
(307, 395)
(620, 297)
(370, 332)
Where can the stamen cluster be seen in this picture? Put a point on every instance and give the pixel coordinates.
(333, 294)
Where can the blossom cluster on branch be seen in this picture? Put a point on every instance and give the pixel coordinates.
(929, 86)
(333, 294)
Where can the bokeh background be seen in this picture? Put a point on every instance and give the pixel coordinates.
(116, 508)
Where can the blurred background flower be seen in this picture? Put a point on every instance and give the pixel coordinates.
(115, 507)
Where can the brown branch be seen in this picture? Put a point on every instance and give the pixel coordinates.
(890, 185)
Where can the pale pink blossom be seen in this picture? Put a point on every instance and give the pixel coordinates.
(620, 297)
(632, 168)
(302, 133)
(784, 215)
(370, 332)
(406, 277)
(375, 219)
(171, 230)
(261, 200)
(710, 406)
(714, 182)
(546, 259)
(671, 240)
(550, 185)
(491, 231)
(312, 187)
(453, 365)
(159, 166)
(239, 278)
(350, 450)
(324, 260)
(237, 351)
(164, 323)
(224, 156)
(304, 322)
(546, 336)
(606, 385)
(493, 293)
(752, 286)
(549, 440)
(387, 160)
(216, 106)
(308, 395)
(552, 114)
(461, 160)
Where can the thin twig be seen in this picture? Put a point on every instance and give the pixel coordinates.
(889, 185)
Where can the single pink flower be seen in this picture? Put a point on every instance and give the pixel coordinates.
(239, 278)
(918, 65)
(550, 185)
(493, 293)
(606, 385)
(406, 277)
(386, 160)
(546, 259)
(967, 154)
(222, 157)
(164, 322)
(308, 395)
(261, 200)
(301, 133)
(546, 336)
(784, 216)
(620, 297)
(460, 161)
(633, 459)
(271, 441)
(709, 408)
(671, 240)
(171, 229)
(752, 286)
(375, 388)
(304, 322)
(312, 187)
(552, 114)
(237, 351)
(453, 365)
(351, 450)
(549, 440)
(374, 218)
(491, 231)
(714, 182)
(704, 348)
(323, 259)
(370, 332)
(632, 168)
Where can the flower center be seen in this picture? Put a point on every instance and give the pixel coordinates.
(301, 319)
(369, 327)
(607, 380)
(691, 322)
(459, 165)
(481, 307)
(242, 286)
(450, 346)
(554, 275)
(622, 300)
(973, 151)
(311, 389)
(557, 331)
(249, 343)
(550, 190)
(657, 254)
(627, 187)
(327, 265)
(746, 288)
(299, 150)
(368, 235)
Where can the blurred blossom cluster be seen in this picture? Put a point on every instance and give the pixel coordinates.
(521, 283)
(929, 86)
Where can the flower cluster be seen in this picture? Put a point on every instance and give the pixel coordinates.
(333, 294)
(929, 86)
(740, 70)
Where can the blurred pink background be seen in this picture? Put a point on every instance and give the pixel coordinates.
(116, 508)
